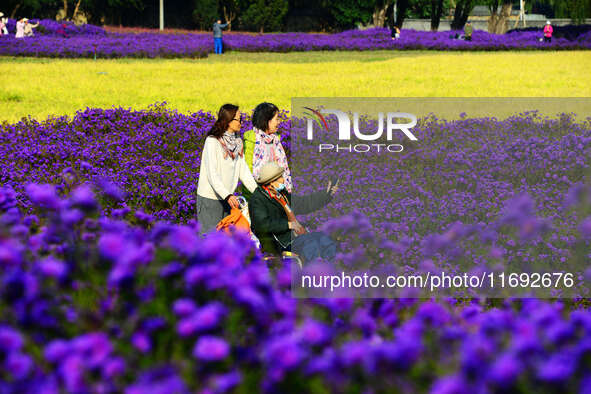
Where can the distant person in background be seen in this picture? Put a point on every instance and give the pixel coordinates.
(20, 28)
(468, 30)
(29, 28)
(395, 32)
(548, 30)
(3, 22)
(218, 44)
(62, 31)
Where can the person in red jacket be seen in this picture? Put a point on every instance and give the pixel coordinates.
(548, 32)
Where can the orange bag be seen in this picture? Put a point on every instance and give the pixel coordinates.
(235, 219)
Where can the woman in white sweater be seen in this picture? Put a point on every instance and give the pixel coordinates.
(222, 165)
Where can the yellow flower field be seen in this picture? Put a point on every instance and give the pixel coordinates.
(43, 87)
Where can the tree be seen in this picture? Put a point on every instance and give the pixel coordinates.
(401, 9)
(419, 9)
(24, 7)
(230, 10)
(264, 15)
(64, 12)
(500, 11)
(205, 13)
(117, 11)
(349, 13)
(578, 10)
(521, 14)
(310, 15)
(380, 12)
(461, 13)
(436, 11)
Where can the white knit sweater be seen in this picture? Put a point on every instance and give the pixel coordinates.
(218, 177)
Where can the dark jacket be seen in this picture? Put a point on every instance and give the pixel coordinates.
(217, 29)
(269, 220)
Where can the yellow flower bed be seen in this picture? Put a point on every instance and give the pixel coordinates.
(43, 87)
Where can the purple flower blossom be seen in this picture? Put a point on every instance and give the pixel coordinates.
(505, 370)
(7, 198)
(141, 341)
(558, 368)
(114, 367)
(184, 240)
(83, 197)
(19, 365)
(210, 348)
(43, 195)
(184, 307)
(585, 228)
(450, 385)
(202, 319)
(52, 267)
(10, 339)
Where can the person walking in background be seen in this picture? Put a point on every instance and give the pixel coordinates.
(218, 44)
(262, 144)
(548, 30)
(468, 30)
(222, 165)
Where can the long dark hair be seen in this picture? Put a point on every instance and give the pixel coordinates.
(225, 116)
(262, 114)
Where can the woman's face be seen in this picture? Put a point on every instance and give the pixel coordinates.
(273, 124)
(234, 125)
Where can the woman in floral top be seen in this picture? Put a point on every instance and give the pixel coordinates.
(262, 144)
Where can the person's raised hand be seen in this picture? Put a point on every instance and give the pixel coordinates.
(335, 188)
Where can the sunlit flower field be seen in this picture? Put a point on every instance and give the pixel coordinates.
(106, 286)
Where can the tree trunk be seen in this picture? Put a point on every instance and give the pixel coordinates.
(65, 9)
(76, 10)
(497, 23)
(461, 13)
(401, 7)
(389, 21)
(436, 11)
(379, 15)
(15, 9)
(229, 16)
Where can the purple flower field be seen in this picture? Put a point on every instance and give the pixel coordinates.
(88, 41)
(468, 196)
(106, 286)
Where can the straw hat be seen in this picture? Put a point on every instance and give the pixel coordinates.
(1, 14)
(269, 172)
(25, 19)
(547, 22)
